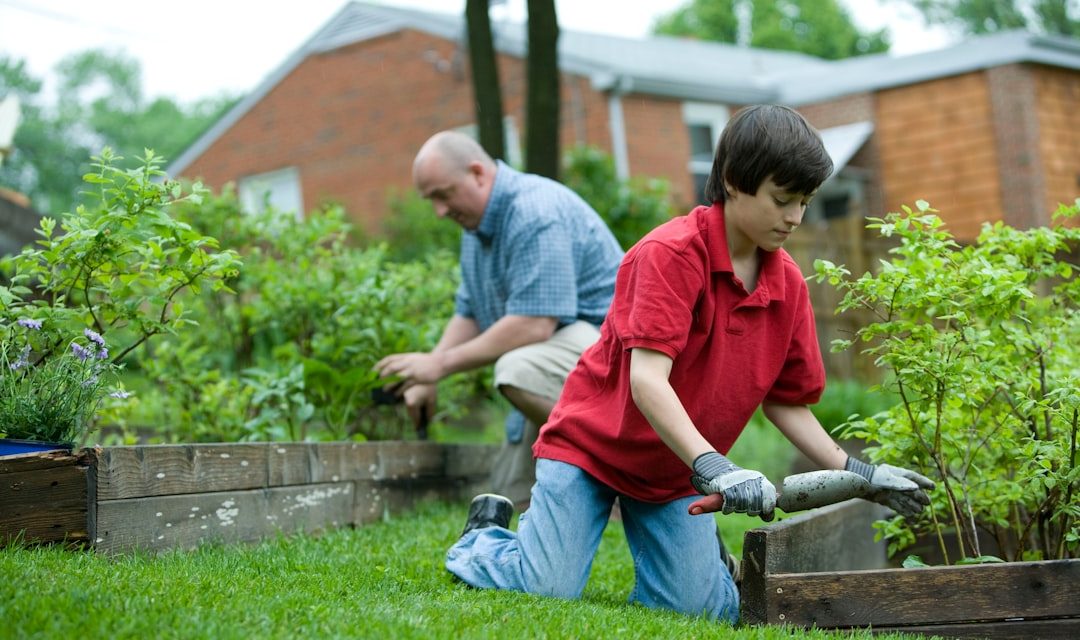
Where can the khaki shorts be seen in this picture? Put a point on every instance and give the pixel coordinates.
(542, 368)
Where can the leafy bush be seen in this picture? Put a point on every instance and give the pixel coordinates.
(290, 355)
(413, 232)
(123, 266)
(630, 208)
(981, 342)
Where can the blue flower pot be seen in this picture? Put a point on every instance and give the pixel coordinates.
(9, 447)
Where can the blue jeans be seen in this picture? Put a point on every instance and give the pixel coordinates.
(677, 562)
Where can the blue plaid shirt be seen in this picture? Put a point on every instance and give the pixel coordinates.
(540, 250)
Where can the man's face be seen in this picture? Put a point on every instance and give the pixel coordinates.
(456, 194)
(767, 218)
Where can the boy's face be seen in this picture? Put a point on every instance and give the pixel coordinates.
(765, 219)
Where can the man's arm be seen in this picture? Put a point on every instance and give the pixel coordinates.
(462, 347)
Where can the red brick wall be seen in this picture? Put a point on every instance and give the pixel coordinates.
(352, 119)
(1058, 104)
(937, 144)
(658, 144)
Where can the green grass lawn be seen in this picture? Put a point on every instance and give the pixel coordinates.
(385, 580)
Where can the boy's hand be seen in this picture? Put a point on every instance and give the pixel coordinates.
(744, 491)
(902, 490)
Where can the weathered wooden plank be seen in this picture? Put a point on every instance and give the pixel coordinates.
(47, 504)
(1050, 629)
(41, 460)
(184, 521)
(469, 460)
(833, 538)
(160, 470)
(376, 499)
(951, 594)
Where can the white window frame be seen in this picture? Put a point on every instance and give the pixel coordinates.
(714, 116)
(284, 188)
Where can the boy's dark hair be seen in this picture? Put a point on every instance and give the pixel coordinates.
(768, 140)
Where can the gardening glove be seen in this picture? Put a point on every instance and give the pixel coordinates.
(899, 489)
(744, 491)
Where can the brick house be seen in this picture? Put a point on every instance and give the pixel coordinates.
(985, 130)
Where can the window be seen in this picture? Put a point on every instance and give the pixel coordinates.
(704, 122)
(278, 190)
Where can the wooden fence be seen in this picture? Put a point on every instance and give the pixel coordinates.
(844, 241)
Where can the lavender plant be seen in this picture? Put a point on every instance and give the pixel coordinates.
(48, 395)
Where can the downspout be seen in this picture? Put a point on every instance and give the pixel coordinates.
(617, 125)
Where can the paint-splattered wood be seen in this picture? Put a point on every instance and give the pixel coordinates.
(947, 594)
(44, 498)
(143, 471)
(185, 521)
(160, 470)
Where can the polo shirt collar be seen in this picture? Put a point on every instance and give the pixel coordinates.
(771, 284)
(497, 205)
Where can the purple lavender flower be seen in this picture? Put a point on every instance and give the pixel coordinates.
(81, 352)
(120, 394)
(22, 361)
(94, 337)
(30, 323)
(103, 354)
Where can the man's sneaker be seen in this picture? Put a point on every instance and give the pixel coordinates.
(489, 510)
(734, 567)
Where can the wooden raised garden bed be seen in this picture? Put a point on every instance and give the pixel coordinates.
(163, 496)
(822, 569)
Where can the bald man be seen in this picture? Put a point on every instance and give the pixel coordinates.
(537, 276)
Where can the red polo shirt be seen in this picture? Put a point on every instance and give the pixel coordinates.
(676, 293)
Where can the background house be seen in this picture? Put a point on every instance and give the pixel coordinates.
(985, 130)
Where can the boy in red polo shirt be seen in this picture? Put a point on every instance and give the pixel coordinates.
(710, 320)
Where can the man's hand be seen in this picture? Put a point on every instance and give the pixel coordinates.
(420, 398)
(413, 368)
(743, 491)
(902, 490)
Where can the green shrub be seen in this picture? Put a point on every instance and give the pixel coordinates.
(413, 232)
(289, 356)
(981, 345)
(630, 208)
(122, 266)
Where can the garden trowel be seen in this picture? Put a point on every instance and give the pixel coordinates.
(814, 489)
(802, 491)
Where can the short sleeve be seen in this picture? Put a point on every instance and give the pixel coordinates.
(656, 292)
(462, 306)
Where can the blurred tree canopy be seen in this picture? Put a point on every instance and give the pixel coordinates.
(99, 102)
(1053, 17)
(820, 28)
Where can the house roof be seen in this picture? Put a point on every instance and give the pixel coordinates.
(882, 71)
(672, 67)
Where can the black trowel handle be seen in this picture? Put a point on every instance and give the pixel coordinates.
(390, 395)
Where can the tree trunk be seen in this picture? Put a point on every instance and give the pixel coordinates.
(485, 79)
(542, 107)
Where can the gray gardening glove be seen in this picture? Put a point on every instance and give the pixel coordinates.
(899, 489)
(744, 491)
